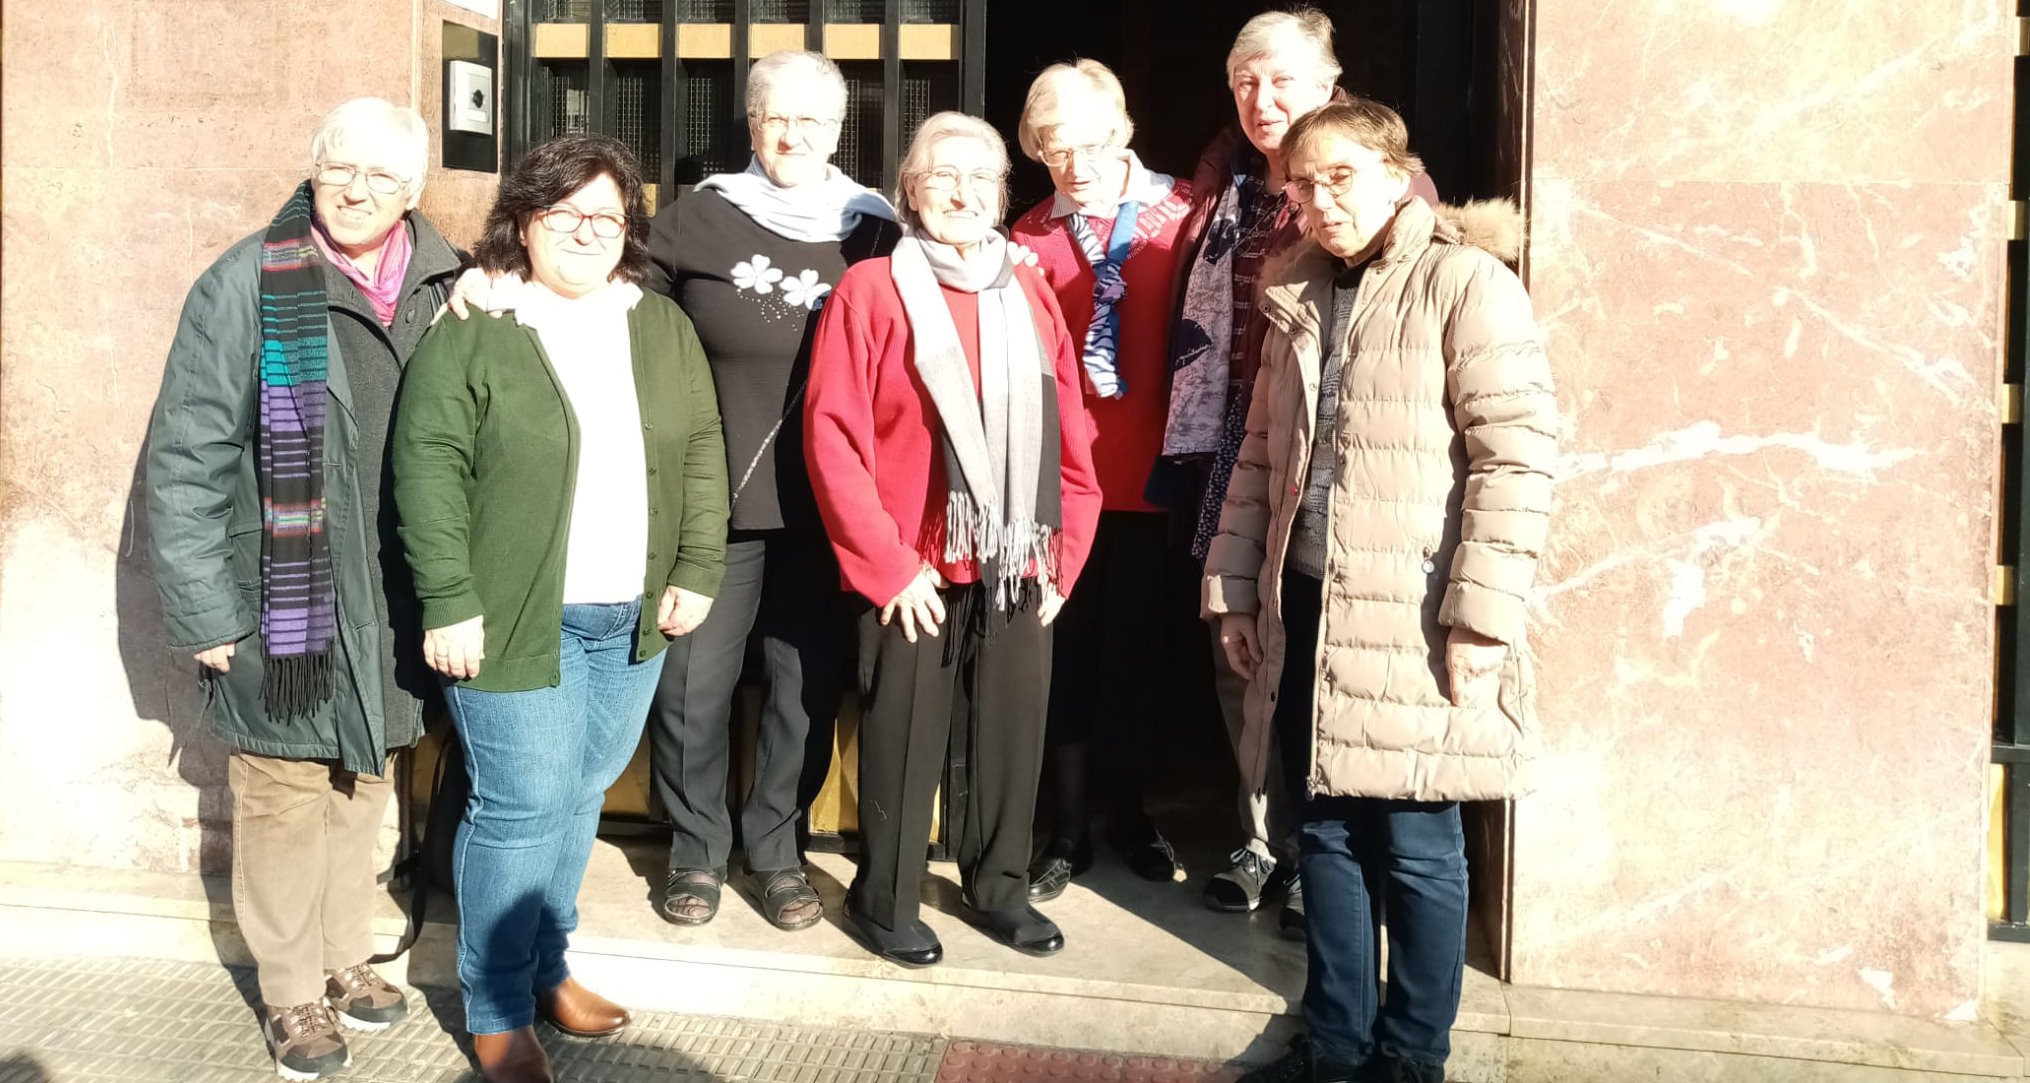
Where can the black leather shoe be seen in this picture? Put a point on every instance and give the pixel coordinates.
(915, 948)
(1147, 852)
(1302, 1064)
(1024, 929)
(1053, 869)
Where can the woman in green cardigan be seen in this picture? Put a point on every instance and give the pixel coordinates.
(561, 482)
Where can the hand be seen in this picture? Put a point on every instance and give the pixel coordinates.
(918, 605)
(1473, 666)
(1052, 603)
(219, 658)
(456, 650)
(682, 611)
(1240, 636)
(474, 289)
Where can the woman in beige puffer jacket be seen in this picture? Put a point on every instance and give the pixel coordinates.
(1371, 572)
(1447, 434)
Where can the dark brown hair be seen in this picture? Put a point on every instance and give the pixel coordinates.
(546, 176)
(1365, 121)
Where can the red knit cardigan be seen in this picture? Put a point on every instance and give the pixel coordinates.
(872, 439)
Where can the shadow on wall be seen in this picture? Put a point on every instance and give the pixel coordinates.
(165, 689)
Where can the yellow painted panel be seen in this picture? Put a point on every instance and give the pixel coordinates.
(561, 41)
(1997, 893)
(836, 810)
(649, 192)
(2002, 587)
(705, 41)
(766, 38)
(853, 41)
(2012, 403)
(930, 41)
(634, 41)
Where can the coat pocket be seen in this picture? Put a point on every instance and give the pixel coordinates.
(1518, 696)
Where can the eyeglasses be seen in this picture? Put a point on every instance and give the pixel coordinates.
(1336, 182)
(1060, 157)
(605, 224)
(947, 180)
(379, 181)
(775, 126)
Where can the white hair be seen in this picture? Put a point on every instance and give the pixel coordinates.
(935, 129)
(1273, 31)
(761, 78)
(377, 120)
(1077, 87)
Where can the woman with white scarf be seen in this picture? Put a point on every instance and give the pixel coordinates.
(950, 452)
(751, 257)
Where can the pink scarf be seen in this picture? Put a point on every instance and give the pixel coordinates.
(384, 289)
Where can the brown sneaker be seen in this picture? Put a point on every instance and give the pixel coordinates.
(363, 999)
(306, 1043)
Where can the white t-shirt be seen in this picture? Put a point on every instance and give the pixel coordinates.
(590, 349)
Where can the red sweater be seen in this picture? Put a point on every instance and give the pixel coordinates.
(874, 446)
(1128, 431)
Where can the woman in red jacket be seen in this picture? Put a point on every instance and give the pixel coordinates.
(951, 457)
(1107, 242)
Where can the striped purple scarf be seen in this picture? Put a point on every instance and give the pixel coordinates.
(299, 617)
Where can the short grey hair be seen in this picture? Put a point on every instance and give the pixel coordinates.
(377, 117)
(935, 129)
(1082, 82)
(761, 78)
(1270, 31)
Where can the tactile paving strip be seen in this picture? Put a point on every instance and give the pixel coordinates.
(146, 1021)
(985, 1062)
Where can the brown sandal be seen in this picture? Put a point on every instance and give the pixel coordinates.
(784, 889)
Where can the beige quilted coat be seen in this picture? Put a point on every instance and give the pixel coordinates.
(1447, 435)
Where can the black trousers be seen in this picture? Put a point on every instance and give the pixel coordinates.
(785, 583)
(1105, 685)
(993, 690)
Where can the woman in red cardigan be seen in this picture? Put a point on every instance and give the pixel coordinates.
(1107, 242)
(951, 457)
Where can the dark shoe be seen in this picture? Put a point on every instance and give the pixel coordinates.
(1302, 1065)
(580, 1012)
(692, 896)
(914, 948)
(1024, 929)
(1239, 889)
(306, 1042)
(512, 1057)
(1147, 852)
(1292, 919)
(783, 890)
(1053, 870)
(363, 1000)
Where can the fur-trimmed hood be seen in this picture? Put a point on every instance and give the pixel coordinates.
(1493, 226)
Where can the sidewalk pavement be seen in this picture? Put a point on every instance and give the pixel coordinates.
(103, 1020)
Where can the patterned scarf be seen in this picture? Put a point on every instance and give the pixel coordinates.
(1103, 335)
(1003, 508)
(299, 619)
(1201, 351)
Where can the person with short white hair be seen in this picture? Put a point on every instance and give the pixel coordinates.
(1281, 68)
(950, 451)
(1107, 242)
(278, 564)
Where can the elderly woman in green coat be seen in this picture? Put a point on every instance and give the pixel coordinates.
(278, 393)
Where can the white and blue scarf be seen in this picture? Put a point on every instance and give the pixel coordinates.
(829, 210)
(1110, 288)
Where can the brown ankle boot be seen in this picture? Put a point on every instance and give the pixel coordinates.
(578, 1011)
(513, 1057)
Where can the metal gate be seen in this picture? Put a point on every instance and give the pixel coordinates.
(2009, 832)
(669, 77)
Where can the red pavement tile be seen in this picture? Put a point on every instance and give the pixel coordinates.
(987, 1062)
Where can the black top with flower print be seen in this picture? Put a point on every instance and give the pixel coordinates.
(753, 296)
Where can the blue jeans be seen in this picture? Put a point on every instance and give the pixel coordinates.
(1410, 856)
(541, 762)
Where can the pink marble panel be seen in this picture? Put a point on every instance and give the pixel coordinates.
(1767, 644)
(1822, 90)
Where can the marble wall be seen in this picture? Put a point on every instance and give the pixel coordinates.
(141, 140)
(1767, 246)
